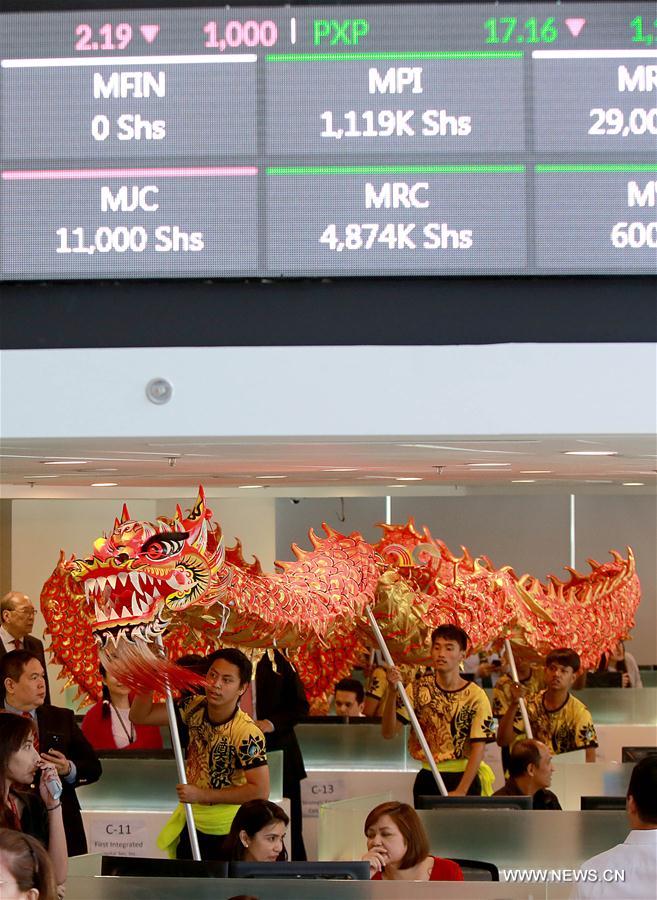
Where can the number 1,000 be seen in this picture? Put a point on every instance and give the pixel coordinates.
(236, 34)
(501, 31)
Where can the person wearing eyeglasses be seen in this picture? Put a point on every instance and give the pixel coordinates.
(17, 614)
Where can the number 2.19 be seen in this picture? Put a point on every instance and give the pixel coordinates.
(114, 37)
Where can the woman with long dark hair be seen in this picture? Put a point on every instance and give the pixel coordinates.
(39, 815)
(26, 872)
(257, 833)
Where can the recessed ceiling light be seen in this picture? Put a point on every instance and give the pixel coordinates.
(396, 485)
(249, 487)
(408, 478)
(66, 462)
(471, 449)
(596, 481)
(633, 484)
(339, 470)
(523, 481)
(105, 484)
(536, 471)
(34, 477)
(488, 465)
(590, 452)
(269, 476)
(107, 470)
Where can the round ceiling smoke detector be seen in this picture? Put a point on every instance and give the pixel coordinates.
(159, 391)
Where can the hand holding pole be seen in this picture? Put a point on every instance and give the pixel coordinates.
(407, 703)
(514, 675)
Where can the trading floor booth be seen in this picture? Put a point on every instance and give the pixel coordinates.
(351, 769)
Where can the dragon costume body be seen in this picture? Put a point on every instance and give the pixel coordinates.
(174, 581)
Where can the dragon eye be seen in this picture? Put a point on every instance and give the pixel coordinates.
(161, 547)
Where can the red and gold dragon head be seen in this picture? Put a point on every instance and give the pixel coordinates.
(144, 573)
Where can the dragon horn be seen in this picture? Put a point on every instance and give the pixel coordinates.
(200, 511)
(125, 515)
(179, 512)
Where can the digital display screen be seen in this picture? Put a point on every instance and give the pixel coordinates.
(328, 141)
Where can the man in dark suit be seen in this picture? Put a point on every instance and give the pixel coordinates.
(17, 621)
(60, 741)
(280, 701)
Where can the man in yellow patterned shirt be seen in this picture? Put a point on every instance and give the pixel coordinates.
(226, 761)
(557, 718)
(454, 714)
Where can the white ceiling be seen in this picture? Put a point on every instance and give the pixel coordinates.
(318, 467)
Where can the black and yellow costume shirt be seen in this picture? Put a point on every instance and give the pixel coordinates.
(568, 728)
(451, 720)
(217, 755)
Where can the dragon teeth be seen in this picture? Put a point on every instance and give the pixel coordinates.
(111, 580)
(123, 578)
(134, 578)
(101, 582)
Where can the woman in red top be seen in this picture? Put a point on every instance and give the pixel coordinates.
(107, 724)
(398, 847)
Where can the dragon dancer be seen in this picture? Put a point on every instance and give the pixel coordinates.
(226, 760)
(454, 714)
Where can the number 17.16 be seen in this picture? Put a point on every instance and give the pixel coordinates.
(507, 29)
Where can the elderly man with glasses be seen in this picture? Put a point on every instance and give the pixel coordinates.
(17, 614)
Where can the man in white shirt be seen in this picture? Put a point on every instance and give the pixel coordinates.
(629, 870)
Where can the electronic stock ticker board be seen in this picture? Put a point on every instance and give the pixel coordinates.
(327, 141)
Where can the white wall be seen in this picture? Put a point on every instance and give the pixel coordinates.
(267, 391)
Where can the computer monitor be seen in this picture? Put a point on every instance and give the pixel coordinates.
(636, 754)
(163, 868)
(349, 870)
(602, 803)
(604, 679)
(436, 801)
